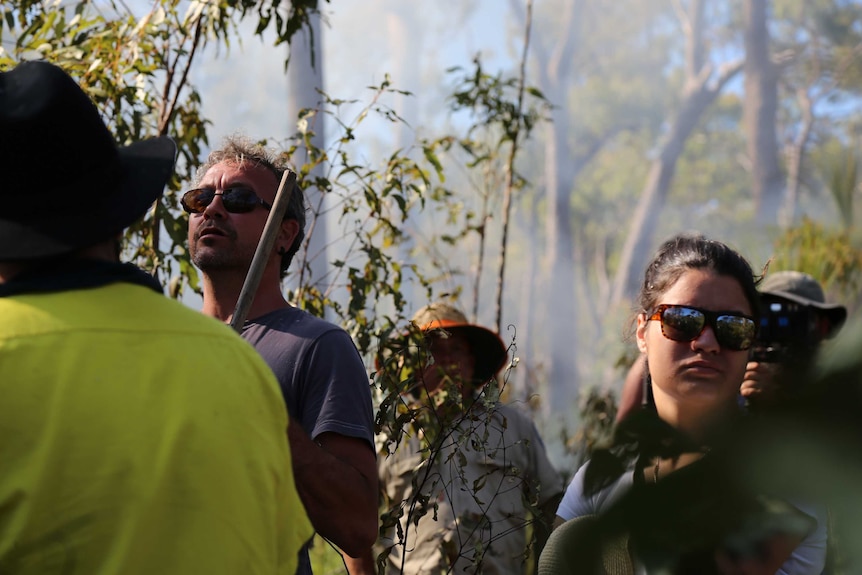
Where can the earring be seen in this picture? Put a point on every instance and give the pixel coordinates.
(281, 251)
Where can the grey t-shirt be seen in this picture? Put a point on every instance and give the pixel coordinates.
(322, 377)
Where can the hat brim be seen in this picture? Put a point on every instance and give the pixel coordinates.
(488, 349)
(146, 168)
(836, 313)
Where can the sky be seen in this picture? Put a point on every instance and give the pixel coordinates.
(244, 90)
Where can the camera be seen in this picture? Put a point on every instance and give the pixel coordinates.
(788, 331)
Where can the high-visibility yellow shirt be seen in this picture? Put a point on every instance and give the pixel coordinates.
(138, 436)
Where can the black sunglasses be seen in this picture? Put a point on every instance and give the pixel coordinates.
(237, 200)
(684, 323)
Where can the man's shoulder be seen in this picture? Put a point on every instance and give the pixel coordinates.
(291, 333)
(295, 321)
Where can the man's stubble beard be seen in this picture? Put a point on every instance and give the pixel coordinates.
(218, 260)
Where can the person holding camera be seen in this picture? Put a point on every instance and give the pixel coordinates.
(795, 320)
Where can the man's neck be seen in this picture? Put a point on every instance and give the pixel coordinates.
(221, 293)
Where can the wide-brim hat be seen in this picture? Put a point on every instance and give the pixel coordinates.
(803, 289)
(67, 185)
(488, 349)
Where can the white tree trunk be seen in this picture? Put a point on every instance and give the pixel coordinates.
(305, 78)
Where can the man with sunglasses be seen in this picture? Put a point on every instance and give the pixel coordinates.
(117, 453)
(323, 380)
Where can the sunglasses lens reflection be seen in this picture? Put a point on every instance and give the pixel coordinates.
(682, 323)
(734, 332)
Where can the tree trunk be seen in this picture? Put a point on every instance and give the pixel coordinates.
(404, 40)
(305, 78)
(521, 383)
(559, 265)
(562, 351)
(795, 154)
(760, 107)
(699, 92)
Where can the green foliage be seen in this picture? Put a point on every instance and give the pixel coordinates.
(365, 286)
(839, 165)
(503, 112)
(492, 101)
(832, 256)
(403, 206)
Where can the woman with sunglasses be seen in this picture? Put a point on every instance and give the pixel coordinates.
(694, 328)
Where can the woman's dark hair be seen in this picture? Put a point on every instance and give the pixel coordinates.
(692, 251)
(643, 433)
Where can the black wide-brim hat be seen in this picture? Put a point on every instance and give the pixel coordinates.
(66, 183)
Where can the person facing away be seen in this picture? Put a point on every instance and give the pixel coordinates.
(479, 465)
(136, 436)
(322, 377)
(795, 322)
(695, 326)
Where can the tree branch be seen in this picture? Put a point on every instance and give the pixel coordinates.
(510, 167)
